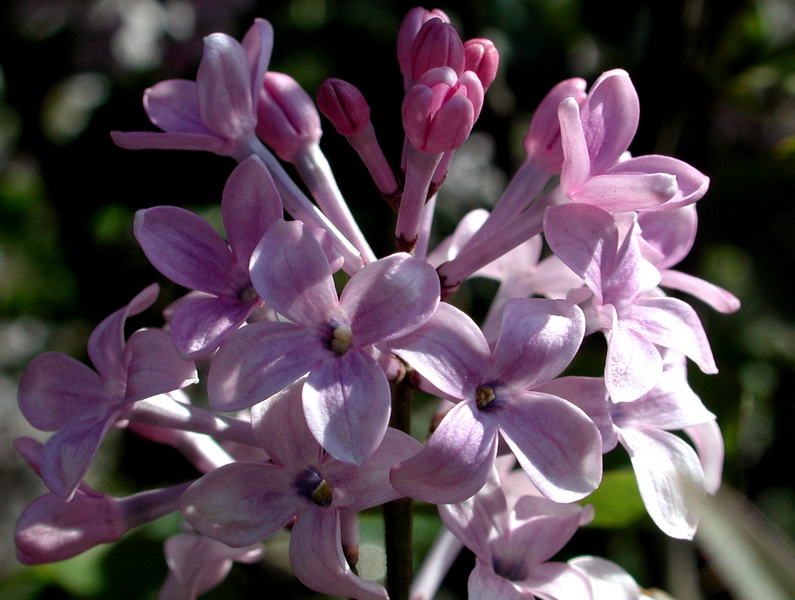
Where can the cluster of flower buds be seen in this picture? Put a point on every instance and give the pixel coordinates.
(302, 378)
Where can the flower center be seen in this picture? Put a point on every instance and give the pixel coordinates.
(322, 495)
(484, 395)
(341, 339)
(248, 294)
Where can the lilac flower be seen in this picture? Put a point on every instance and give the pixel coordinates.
(620, 280)
(556, 444)
(513, 536)
(669, 472)
(346, 396)
(596, 132)
(50, 529)
(243, 503)
(666, 238)
(197, 564)
(190, 252)
(217, 112)
(58, 393)
(608, 580)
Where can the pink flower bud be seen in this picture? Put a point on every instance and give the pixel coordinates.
(437, 45)
(409, 29)
(343, 104)
(543, 142)
(51, 529)
(482, 57)
(287, 119)
(440, 109)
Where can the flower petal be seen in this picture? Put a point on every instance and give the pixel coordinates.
(633, 365)
(241, 503)
(456, 461)
(186, 249)
(558, 581)
(153, 140)
(259, 360)
(200, 325)
(538, 339)
(347, 405)
(390, 297)
(556, 444)
(173, 106)
(290, 271)
(154, 366)
(669, 477)
(56, 391)
(621, 192)
(249, 206)
(317, 559)
(672, 323)
(449, 351)
(608, 580)
(485, 584)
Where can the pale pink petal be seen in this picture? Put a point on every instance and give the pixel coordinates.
(585, 238)
(672, 323)
(56, 391)
(558, 581)
(317, 559)
(668, 235)
(173, 106)
(242, 503)
(590, 395)
(154, 366)
(539, 538)
(67, 455)
(691, 183)
(718, 298)
(199, 326)
(389, 298)
(290, 271)
(456, 461)
(610, 114)
(621, 192)
(223, 84)
(186, 249)
(106, 342)
(280, 428)
(449, 351)
(365, 486)
(608, 580)
(669, 477)
(260, 360)
(576, 167)
(485, 584)
(347, 404)
(556, 444)
(153, 140)
(258, 45)
(631, 275)
(249, 206)
(538, 339)
(710, 448)
(633, 365)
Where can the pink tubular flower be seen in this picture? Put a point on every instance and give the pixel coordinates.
(556, 444)
(217, 112)
(243, 503)
(412, 23)
(190, 252)
(437, 45)
(58, 393)
(197, 564)
(482, 58)
(513, 533)
(346, 397)
(634, 321)
(344, 105)
(596, 133)
(287, 119)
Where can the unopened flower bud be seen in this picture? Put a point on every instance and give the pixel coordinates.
(287, 119)
(440, 109)
(409, 29)
(482, 57)
(437, 45)
(343, 104)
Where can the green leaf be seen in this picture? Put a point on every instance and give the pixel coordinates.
(617, 502)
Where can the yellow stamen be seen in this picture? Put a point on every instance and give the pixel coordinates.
(483, 395)
(322, 494)
(341, 339)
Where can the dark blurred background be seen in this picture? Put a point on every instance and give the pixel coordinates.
(717, 87)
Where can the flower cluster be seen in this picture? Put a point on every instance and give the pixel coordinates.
(303, 373)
